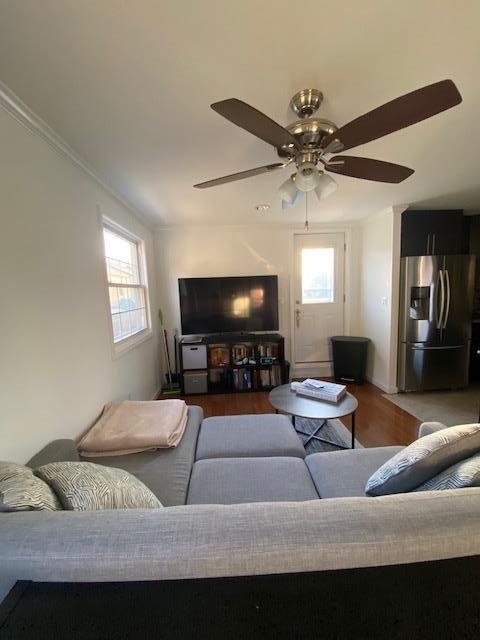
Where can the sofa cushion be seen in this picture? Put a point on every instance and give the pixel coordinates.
(339, 474)
(237, 480)
(465, 473)
(85, 486)
(424, 459)
(248, 436)
(165, 471)
(20, 490)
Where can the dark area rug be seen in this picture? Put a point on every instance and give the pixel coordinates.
(333, 430)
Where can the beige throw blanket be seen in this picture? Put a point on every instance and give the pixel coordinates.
(131, 427)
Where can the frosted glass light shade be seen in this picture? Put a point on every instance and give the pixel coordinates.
(289, 205)
(326, 186)
(288, 191)
(307, 178)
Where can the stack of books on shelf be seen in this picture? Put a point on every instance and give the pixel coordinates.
(271, 377)
(275, 375)
(242, 379)
(265, 378)
(320, 390)
(268, 350)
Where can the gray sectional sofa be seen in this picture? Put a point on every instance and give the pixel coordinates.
(243, 499)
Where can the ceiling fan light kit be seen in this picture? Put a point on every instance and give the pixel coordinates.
(296, 200)
(307, 178)
(309, 141)
(288, 190)
(326, 186)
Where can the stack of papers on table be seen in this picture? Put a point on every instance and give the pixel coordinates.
(319, 389)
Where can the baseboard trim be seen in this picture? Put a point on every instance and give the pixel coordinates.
(385, 388)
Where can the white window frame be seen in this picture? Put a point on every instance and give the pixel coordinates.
(129, 342)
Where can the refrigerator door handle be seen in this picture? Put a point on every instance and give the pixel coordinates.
(440, 299)
(447, 306)
(441, 348)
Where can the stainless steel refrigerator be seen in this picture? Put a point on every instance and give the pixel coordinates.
(436, 297)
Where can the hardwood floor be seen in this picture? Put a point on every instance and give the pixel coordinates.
(378, 421)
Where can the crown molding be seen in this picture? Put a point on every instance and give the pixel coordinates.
(297, 226)
(18, 110)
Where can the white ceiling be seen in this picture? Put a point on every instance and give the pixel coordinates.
(128, 85)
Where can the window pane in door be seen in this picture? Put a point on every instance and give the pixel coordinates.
(318, 275)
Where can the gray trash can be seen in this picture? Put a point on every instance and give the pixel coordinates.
(349, 358)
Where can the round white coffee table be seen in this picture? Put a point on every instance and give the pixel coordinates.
(284, 399)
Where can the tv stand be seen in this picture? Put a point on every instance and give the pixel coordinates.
(233, 363)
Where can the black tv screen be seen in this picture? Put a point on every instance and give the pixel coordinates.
(225, 305)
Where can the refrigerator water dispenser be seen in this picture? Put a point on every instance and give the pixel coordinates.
(419, 303)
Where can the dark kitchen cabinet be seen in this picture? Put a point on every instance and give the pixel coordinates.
(475, 251)
(475, 353)
(434, 233)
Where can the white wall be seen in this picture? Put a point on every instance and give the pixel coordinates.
(247, 250)
(379, 285)
(57, 369)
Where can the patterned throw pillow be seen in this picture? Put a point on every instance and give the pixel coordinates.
(423, 459)
(20, 490)
(463, 474)
(85, 486)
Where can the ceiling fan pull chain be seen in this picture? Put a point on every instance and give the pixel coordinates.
(306, 211)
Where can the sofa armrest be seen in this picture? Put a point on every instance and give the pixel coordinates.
(426, 428)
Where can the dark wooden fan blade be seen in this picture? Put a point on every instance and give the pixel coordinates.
(368, 169)
(256, 122)
(240, 175)
(397, 114)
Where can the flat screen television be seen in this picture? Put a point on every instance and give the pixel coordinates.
(228, 305)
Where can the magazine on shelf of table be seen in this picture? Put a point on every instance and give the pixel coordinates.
(320, 389)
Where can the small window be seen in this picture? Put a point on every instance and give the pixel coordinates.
(317, 275)
(127, 287)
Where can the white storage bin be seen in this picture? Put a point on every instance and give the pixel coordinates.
(194, 356)
(195, 382)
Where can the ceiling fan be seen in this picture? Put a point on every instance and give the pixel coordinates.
(309, 140)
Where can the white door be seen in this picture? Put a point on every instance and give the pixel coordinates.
(318, 294)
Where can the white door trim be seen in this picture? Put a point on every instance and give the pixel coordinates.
(319, 369)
